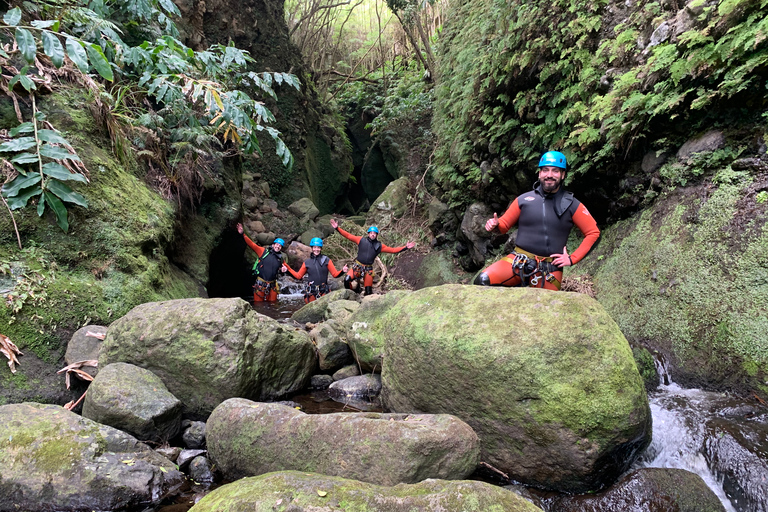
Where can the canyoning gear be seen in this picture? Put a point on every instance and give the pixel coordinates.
(265, 291)
(367, 251)
(266, 267)
(544, 222)
(279, 241)
(316, 268)
(316, 242)
(553, 159)
(368, 290)
(374, 229)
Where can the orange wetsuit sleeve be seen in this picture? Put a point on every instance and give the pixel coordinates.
(586, 223)
(393, 250)
(332, 269)
(349, 236)
(510, 217)
(300, 273)
(259, 250)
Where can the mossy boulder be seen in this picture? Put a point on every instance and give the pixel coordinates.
(134, 400)
(53, 459)
(546, 379)
(365, 336)
(305, 492)
(208, 350)
(317, 310)
(247, 438)
(658, 489)
(391, 204)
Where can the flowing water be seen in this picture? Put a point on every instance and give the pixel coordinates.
(722, 439)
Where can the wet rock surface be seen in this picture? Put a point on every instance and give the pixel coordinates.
(248, 438)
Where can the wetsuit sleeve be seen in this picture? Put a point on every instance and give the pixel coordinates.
(349, 236)
(259, 250)
(392, 250)
(300, 273)
(510, 217)
(332, 269)
(586, 223)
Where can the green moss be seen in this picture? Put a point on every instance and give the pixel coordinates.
(57, 455)
(691, 277)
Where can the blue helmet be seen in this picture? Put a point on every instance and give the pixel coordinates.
(279, 241)
(374, 229)
(553, 159)
(316, 242)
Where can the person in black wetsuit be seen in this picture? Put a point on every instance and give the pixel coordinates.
(317, 268)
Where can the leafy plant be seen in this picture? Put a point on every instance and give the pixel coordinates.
(196, 98)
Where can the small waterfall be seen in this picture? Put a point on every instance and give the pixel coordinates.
(679, 435)
(721, 438)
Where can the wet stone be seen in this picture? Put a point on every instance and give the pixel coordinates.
(320, 381)
(346, 372)
(194, 435)
(362, 386)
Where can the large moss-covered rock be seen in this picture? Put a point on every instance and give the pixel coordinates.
(134, 400)
(317, 311)
(208, 350)
(366, 337)
(305, 492)
(247, 438)
(53, 459)
(391, 204)
(546, 379)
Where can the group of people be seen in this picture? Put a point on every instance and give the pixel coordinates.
(271, 261)
(544, 217)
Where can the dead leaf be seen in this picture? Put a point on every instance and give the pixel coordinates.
(322, 494)
(98, 335)
(9, 350)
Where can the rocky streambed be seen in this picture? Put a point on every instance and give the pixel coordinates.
(472, 377)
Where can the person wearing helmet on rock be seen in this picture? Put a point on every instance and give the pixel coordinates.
(269, 262)
(368, 248)
(316, 268)
(544, 217)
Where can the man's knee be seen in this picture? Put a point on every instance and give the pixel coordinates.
(482, 279)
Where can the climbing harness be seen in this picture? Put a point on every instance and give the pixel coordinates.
(265, 287)
(532, 269)
(316, 291)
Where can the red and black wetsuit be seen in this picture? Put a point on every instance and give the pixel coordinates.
(544, 223)
(317, 269)
(367, 250)
(265, 287)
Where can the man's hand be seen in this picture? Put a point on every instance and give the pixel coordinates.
(334, 224)
(493, 223)
(410, 245)
(284, 268)
(345, 269)
(561, 260)
(240, 228)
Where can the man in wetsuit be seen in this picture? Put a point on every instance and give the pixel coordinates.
(270, 262)
(368, 248)
(544, 217)
(316, 268)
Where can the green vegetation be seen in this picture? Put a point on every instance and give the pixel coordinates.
(197, 105)
(596, 80)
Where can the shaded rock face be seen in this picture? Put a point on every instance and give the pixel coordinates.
(208, 350)
(53, 459)
(647, 490)
(563, 404)
(332, 351)
(319, 493)
(134, 400)
(247, 438)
